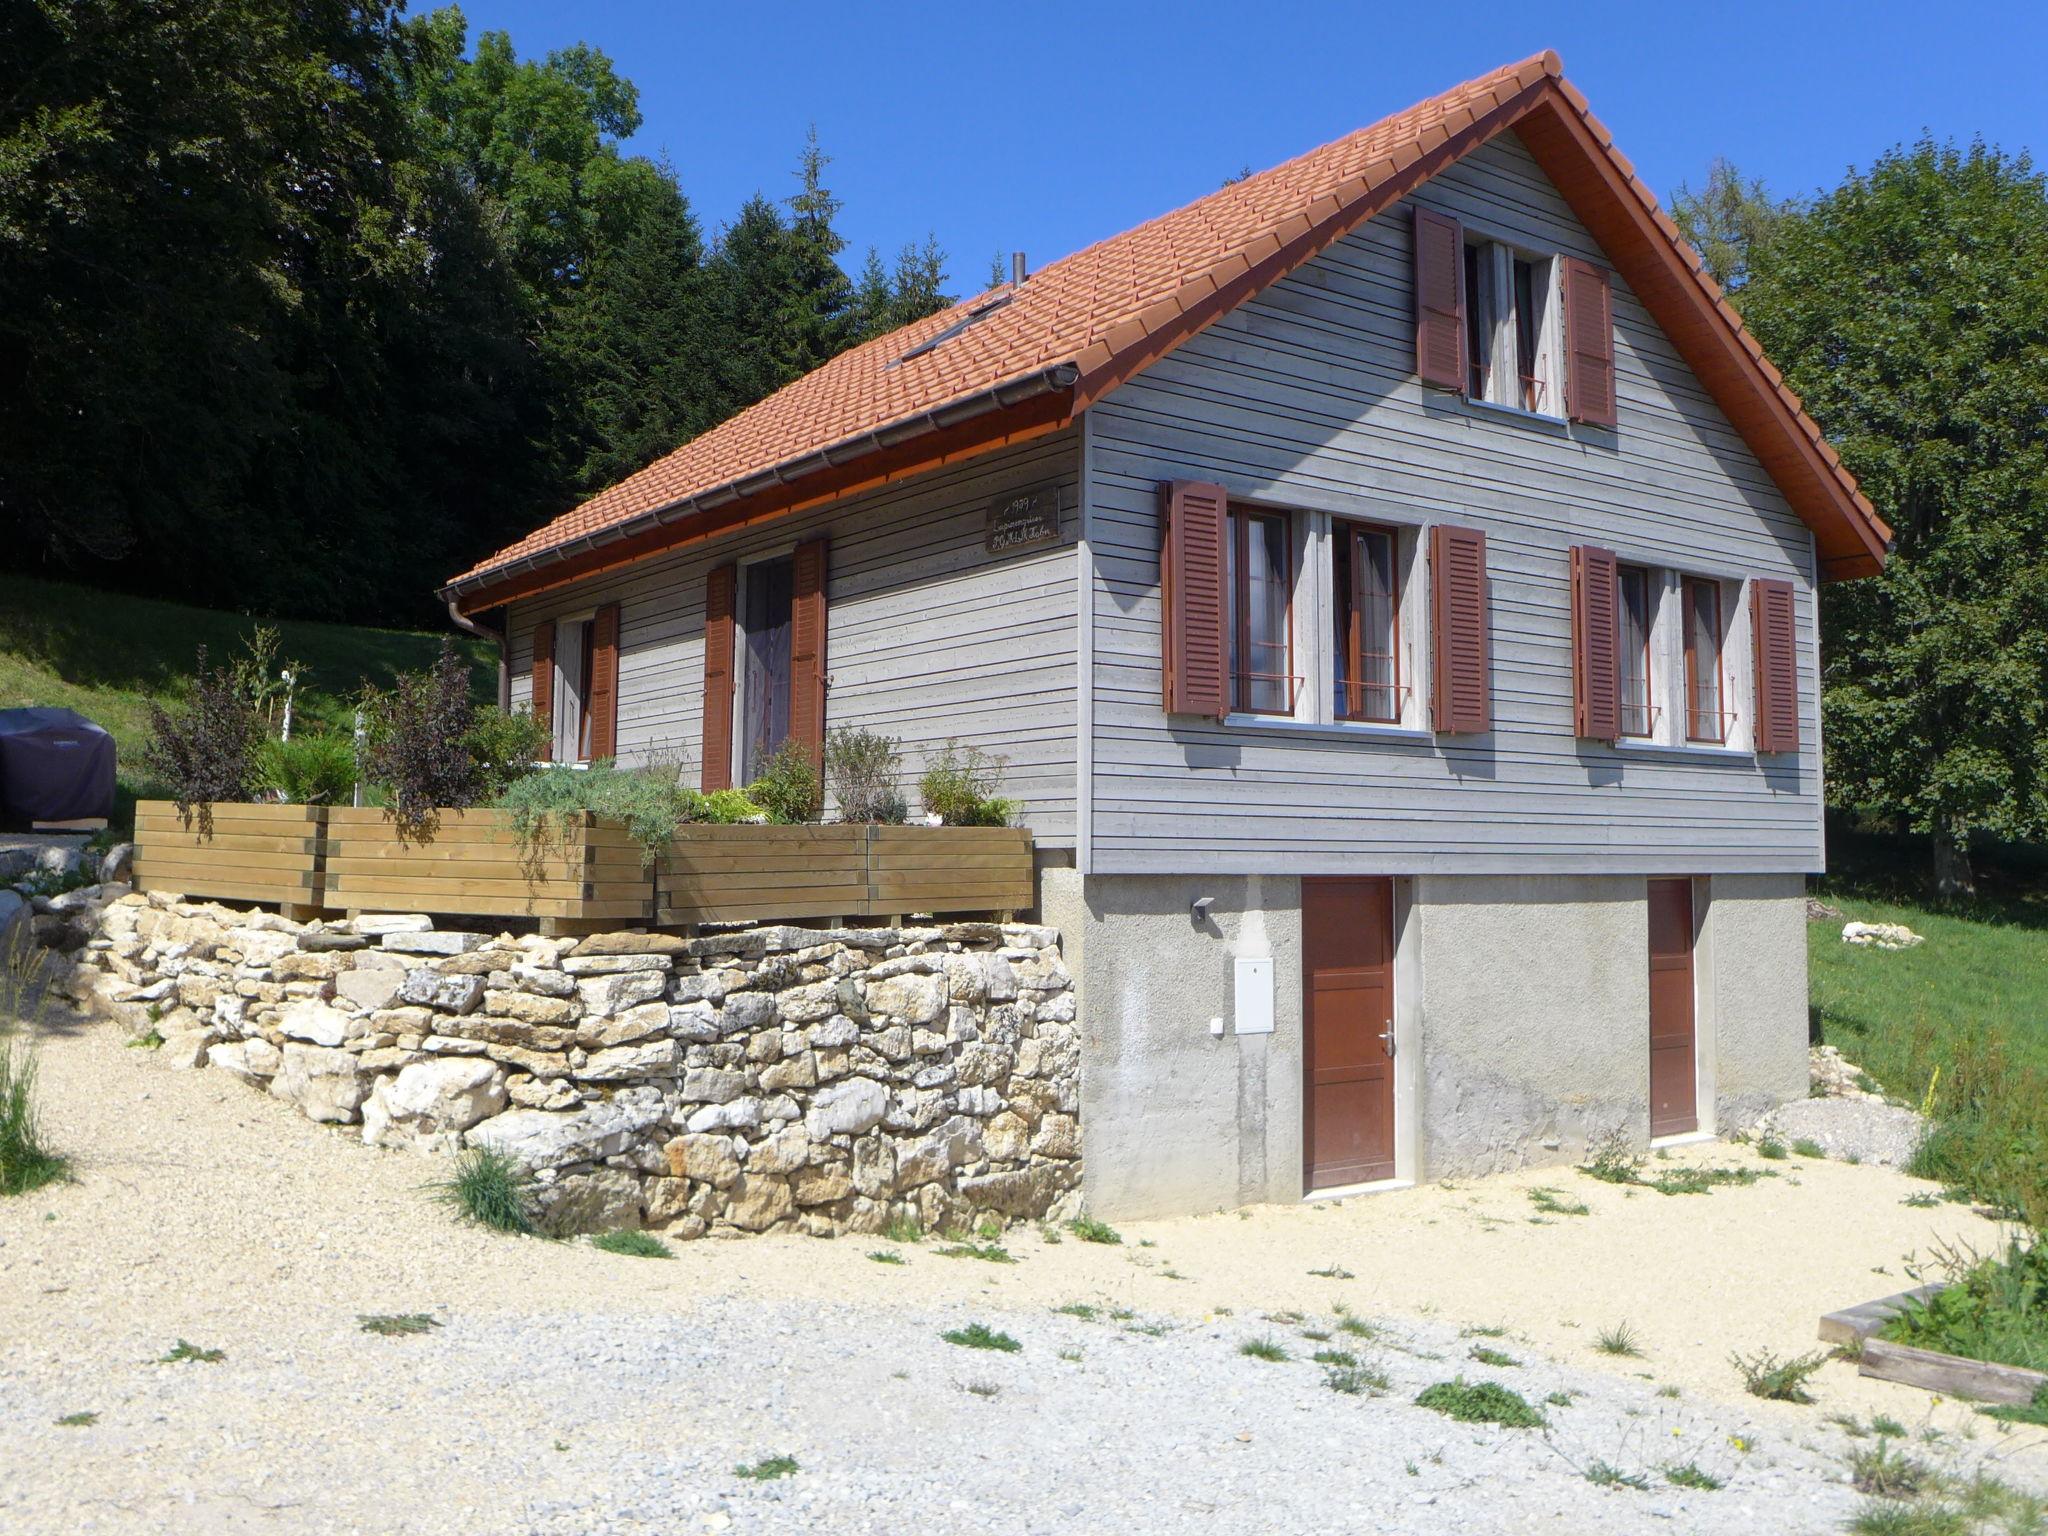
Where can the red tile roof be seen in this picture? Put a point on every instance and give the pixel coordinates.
(1104, 313)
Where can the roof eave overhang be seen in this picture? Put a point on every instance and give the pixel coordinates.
(1027, 404)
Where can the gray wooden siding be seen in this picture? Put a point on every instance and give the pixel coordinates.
(928, 637)
(1306, 396)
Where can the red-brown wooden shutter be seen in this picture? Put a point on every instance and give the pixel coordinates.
(1196, 653)
(544, 686)
(1596, 644)
(1439, 300)
(604, 682)
(1461, 696)
(807, 651)
(1774, 639)
(1589, 335)
(718, 637)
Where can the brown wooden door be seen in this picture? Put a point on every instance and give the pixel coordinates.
(1348, 1059)
(1674, 1100)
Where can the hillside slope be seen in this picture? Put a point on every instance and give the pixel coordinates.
(107, 655)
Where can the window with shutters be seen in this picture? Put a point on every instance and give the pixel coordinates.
(1706, 715)
(1511, 341)
(1365, 646)
(767, 589)
(1637, 614)
(1259, 589)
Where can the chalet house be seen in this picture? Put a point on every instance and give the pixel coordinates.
(1390, 581)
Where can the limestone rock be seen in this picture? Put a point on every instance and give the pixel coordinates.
(624, 1028)
(318, 1024)
(326, 1084)
(377, 924)
(548, 1139)
(911, 998)
(603, 1200)
(708, 1159)
(624, 1063)
(604, 996)
(847, 1108)
(427, 941)
(368, 990)
(632, 944)
(427, 988)
(429, 1102)
(528, 1007)
(758, 1203)
(254, 1061)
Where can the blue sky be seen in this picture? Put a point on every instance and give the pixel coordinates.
(1041, 127)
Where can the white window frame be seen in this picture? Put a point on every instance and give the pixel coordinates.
(1497, 256)
(1667, 664)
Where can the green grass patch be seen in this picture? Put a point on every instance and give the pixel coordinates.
(1806, 1146)
(1334, 1357)
(981, 1336)
(1765, 1375)
(1603, 1474)
(185, 1352)
(2035, 1412)
(1554, 1202)
(397, 1324)
(1493, 1357)
(489, 1188)
(767, 1470)
(903, 1229)
(1688, 1474)
(988, 1253)
(1481, 1402)
(79, 1420)
(1356, 1380)
(1263, 1349)
(25, 1162)
(1333, 1272)
(1772, 1148)
(1888, 1473)
(885, 1256)
(632, 1245)
(1080, 1309)
(1621, 1340)
(1089, 1230)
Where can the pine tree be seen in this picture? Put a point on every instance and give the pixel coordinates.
(820, 315)
(918, 288)
(749, 330)
(874, 302)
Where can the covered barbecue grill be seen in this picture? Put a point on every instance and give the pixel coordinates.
(55, 765)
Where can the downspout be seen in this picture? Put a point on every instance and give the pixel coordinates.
(470, 626)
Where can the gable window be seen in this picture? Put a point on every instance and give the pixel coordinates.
(1637, 618)
(767, 590)
(1258, 583)
(1510, 346)
(1706, 717)
(1366, 646)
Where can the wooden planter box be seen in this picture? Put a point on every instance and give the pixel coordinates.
(474, 866)
(268, 853)
(714, 874)
(1952, 1375)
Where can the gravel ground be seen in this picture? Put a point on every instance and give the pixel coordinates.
(570, 1390)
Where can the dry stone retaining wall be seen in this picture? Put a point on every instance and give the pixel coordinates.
(825, 1080)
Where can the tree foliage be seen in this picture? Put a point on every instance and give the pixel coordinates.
(306, 303)
(1728, 220)
(1909, 309)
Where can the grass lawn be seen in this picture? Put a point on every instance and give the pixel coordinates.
(108, 655)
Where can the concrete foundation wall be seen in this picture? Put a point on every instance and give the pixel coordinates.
(1535, 1017)
(1174, 1118)
(1522, 1020)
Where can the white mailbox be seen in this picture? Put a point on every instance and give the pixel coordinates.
(1255, 994)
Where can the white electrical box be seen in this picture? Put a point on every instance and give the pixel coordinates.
(1255, 994)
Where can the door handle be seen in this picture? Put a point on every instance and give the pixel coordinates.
(1387, 1039)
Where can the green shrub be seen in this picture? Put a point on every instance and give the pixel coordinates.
(1991, 1308)
(1483, 1402)
(419, 745)
(490, 1189)
(1887, 1473)
(768, 1470)
(787, 787)
(863, 768)
(204, 752)
(981, 1336)
(504, 746)
(647, 800)
(959, 787)
(1089, 1230)
(312, 769)
(1613, 1159)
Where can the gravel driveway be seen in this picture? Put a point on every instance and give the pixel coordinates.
(569, 1390)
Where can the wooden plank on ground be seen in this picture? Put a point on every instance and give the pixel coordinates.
(1951, 1375)
(1860, 1322)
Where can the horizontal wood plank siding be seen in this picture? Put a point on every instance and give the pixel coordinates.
(1307, 396)
(927, 635)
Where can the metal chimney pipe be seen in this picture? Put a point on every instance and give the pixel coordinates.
(1018, 271)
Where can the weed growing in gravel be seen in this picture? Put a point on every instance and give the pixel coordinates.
(981, 1336)
(1687, 1474)
(1620, 1340)
(1552, 1202)
(1358, 1327)
(1561, 1399)
(768, 1470)
(1484, 1331)
(1263, 1349)
(903, 1229)
(1089, 1230)
(1613, 1159)
(1772, 1148)
(1886, 1473)
(1356, 1380)
(1334, 1357)
(1316, 1335)
(1885, 1424)
(1922, 1200)
(1071, 1356)
(1149, 1330)
(1781, 1381)
(980, 1388)
(1697, 1181)
(632, 1245)
(1048, 1233)
(988, 1253)
(1603, 1474)
(1333, 1272)
(1850, 1350)
(1667, 1390)
(2035, 1412)
(25, 1163)
(885, 1256)
(1079, 1309)
(491, 1189)
(1493, 1357)
(1481, 1402)
(396, 1324)
(1286, 1319)
(79, 1420)
(1882, 1517)
(1806, 1146)
(183, 1353)
(153, 1041)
